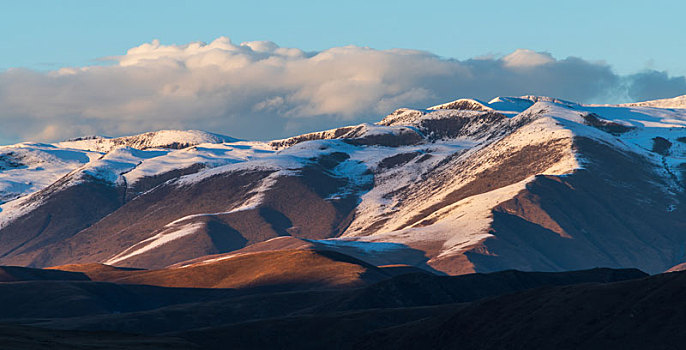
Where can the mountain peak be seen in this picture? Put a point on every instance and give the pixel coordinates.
(463, 103)
(174, 139)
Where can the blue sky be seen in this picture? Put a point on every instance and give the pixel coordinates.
(629, 35)
(271, 69)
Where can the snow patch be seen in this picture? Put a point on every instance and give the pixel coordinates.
(156, 241)
(364, 246)
(208, 155)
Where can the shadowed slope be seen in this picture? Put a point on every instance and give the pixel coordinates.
(638, 314)
(17, 274)
(60, 213)
(31, 338)
(399, 325)
(209, 215)
(401, 292)
(46, 299)
(602, 215)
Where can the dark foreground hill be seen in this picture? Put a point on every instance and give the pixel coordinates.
(599, 308)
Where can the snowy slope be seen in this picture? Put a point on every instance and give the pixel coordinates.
(158, 139)
(460, 225)
(465, 222)
(29, 167)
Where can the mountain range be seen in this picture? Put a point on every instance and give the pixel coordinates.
(529, 183)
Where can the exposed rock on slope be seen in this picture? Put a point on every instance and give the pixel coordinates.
(361, 135)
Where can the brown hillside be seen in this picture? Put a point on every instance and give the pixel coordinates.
(305, 268)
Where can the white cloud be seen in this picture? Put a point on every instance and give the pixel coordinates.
(258, 90)
(527, 58)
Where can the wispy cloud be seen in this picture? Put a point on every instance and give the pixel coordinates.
(260, 90)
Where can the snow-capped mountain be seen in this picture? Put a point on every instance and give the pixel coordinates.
(28, 167)
(532, 183)
(675, 102)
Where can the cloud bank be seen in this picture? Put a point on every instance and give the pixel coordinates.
(258, 90)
